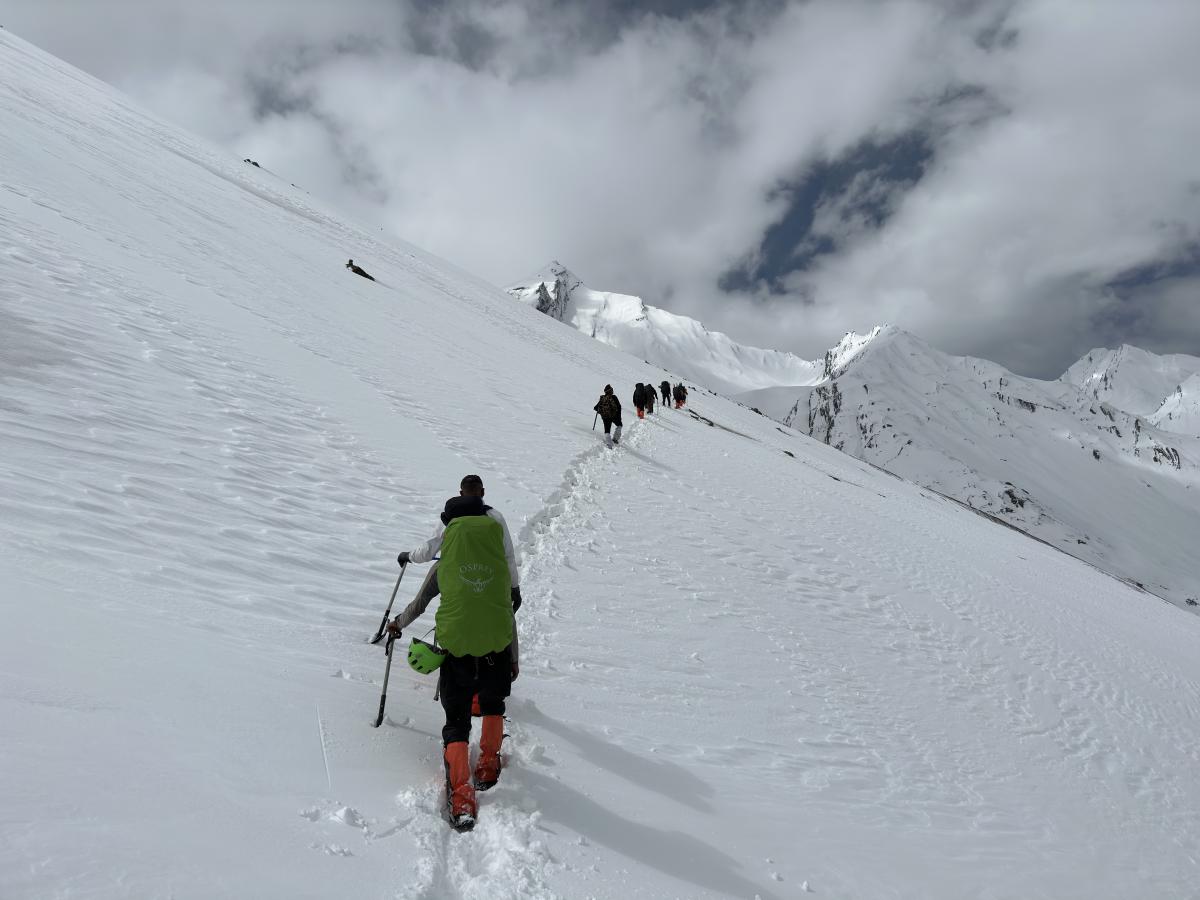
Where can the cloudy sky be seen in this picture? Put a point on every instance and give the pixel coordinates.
(1012, 179)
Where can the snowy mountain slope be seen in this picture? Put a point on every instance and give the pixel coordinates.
(1136, 381)
(678, 344)
(753, 666)
(1103, 484)
(1180, 411)
(778, 401)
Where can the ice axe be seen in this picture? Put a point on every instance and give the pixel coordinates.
(387, 612)
(386, 673)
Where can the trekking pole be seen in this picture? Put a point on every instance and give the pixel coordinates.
(386, 672)
(594, 418)
(387, 612)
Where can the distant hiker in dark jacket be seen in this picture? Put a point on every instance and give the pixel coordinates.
(665, 387)
(639, 400)
(651, 398)
(609, 408)
(680, 395)
(357, 270)
(476, 627)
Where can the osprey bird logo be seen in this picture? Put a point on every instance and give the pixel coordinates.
(477, 575)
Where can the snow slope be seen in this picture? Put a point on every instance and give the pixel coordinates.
(777, 401)
(677, 344)
(1071, 469)
(1138, 382)
(753, 666)
(1180, 411)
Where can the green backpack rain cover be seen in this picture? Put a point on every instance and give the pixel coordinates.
(475, 615)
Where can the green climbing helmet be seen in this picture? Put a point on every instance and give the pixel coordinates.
(425, 657)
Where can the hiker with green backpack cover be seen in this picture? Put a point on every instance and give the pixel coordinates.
(478, 580)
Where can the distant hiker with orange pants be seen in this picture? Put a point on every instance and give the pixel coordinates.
(476, 628)
(609, 408)
(680, 394)
(639, 400)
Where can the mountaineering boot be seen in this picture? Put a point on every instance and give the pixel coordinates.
(617, 435)
(608, 441)
(487, 770)
(460, 795)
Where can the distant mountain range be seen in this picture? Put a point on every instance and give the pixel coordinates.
(1163, 389)
(1064, 461)
(1103, 463)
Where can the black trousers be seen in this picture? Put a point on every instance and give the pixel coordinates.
(609, 423)
(461, 678)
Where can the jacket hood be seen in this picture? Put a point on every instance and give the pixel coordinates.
(463, 506)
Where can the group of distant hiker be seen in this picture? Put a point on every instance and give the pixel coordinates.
(608, 407)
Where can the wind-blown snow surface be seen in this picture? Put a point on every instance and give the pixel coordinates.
(753, 666)
(1100, 482)
(677, 344)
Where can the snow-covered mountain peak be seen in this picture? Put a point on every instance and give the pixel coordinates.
(677, 345)
(551, 272)
(853, 346)
(1132, 379)
(1180, 411)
